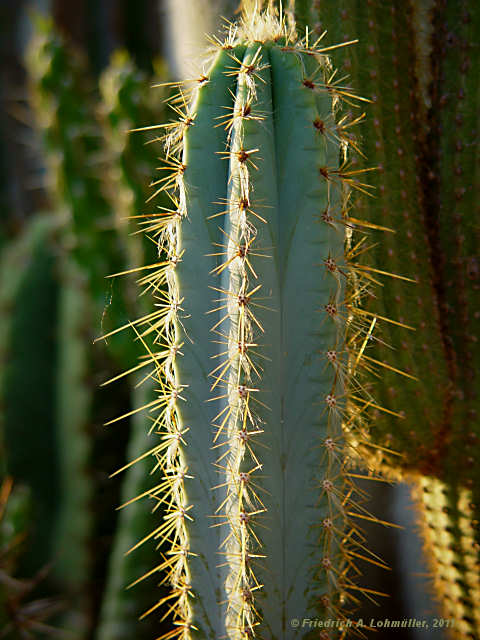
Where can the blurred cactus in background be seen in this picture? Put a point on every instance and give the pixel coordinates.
(419, 65)
(29, 289)
(56, 301)
(64, 101)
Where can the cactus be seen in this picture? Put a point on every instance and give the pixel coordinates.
(421, 130)
(240, 488)
(417, 210)
(29, 294)
(43, 353)
(262, 521)
(398, 206)
(74, 398)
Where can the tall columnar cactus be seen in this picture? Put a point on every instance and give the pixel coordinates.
(422, 131)
(46, 408)
(257, 341)
(74, 393)
(405, 311)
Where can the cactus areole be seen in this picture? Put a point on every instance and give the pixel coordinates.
(257, 344)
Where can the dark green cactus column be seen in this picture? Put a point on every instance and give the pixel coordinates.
(28, 299)
(418, 64)
(74, 393)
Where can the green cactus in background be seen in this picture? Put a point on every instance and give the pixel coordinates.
(45, 407)
(71, 122)
(65, 107)
(29, 290)
(62, 99)
(128, 103)
(256, 341)
(74, 399)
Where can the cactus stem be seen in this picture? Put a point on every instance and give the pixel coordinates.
(236, 514)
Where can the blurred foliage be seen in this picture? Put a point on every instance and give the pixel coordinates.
(55, 301)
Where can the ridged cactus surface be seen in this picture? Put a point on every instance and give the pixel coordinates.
(418, 64)
(426, 195)
(255, 333)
